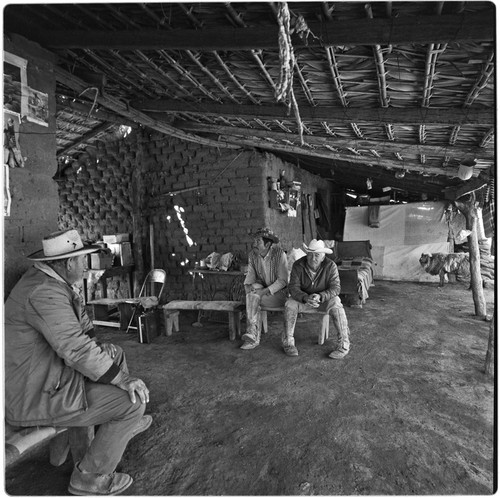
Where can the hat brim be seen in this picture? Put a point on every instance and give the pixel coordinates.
(325, 250)
(40, 256)
(266, 236)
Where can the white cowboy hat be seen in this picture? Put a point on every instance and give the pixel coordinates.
(317, 246)
(61, 245)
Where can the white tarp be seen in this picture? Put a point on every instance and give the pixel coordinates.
(405, 232)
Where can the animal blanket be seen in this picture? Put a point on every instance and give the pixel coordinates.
(441, 264)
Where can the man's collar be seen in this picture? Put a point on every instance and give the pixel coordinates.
(48, 270)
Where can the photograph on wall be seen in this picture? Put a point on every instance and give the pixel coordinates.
(12, 152)
(15, 98)
(38, 107)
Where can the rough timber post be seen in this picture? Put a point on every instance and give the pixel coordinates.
(469, 206)
(489, 364)
(138, 218)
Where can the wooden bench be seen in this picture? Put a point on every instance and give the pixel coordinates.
(233, 309)
(325, 323)
(22, 440)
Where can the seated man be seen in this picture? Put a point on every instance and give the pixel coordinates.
(265, 282)
(56, 374)
(315, 284)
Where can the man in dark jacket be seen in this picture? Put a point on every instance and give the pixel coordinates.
(56, 374)
(315, 284)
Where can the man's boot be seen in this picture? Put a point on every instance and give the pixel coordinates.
(251, 337)
(343, 343)
(287, 336)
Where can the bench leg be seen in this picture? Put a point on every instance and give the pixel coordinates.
(325, 325)
(263, 321)
(126, 311)
(232, 325)
(237, 323)
(171, 321)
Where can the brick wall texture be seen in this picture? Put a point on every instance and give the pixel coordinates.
(193, 199)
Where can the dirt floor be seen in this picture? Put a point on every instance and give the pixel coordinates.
(408, 411)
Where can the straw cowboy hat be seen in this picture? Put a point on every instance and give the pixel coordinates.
(267, 233)
(61, 245)
(317, 246)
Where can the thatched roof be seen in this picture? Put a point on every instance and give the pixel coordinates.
(376, 88)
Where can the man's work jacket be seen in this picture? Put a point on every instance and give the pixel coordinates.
(48, 353)
(326, 283)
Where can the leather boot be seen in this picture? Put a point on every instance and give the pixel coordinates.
(252, 336)
(343, 343)
(287, 339)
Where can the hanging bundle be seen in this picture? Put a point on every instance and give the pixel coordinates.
(284, 89)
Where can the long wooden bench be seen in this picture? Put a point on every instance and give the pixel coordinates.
(233, 309)
(325, 323)
(22, 440)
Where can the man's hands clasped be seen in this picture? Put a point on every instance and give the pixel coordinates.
(314, 300)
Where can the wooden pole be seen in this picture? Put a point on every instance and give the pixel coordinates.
(138, 220)
(489, 365)
(468, 206)
(152, 244)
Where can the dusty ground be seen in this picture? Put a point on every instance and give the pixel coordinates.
(409, 411)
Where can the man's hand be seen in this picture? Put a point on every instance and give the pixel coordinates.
(107, 347)
(132, 385)
(260, 292)
(313, 300)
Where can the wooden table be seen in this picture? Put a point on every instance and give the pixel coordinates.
(98, 278)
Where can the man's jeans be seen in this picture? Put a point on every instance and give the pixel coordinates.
(334, 308)
(110, 408)
(253, 304)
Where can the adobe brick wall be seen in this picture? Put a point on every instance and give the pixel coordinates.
(198, 200)
(35, 202)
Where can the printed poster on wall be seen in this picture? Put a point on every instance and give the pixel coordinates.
(15, 96)
(38, 107)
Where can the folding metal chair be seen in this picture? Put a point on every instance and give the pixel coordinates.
(152, 287)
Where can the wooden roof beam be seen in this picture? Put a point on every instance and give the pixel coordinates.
(129, 112)
(272, 145)
(333, 115)
(86, 137)
(395, 30)
(382, 147)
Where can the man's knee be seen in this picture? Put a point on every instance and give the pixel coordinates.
(252, 298)
(334, 303)
(292, 304)
(136, 409)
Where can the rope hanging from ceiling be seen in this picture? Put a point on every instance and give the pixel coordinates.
(284, 90)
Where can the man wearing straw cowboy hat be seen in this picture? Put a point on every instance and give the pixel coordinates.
(315, 284)
(265, 282)
(56, 374)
